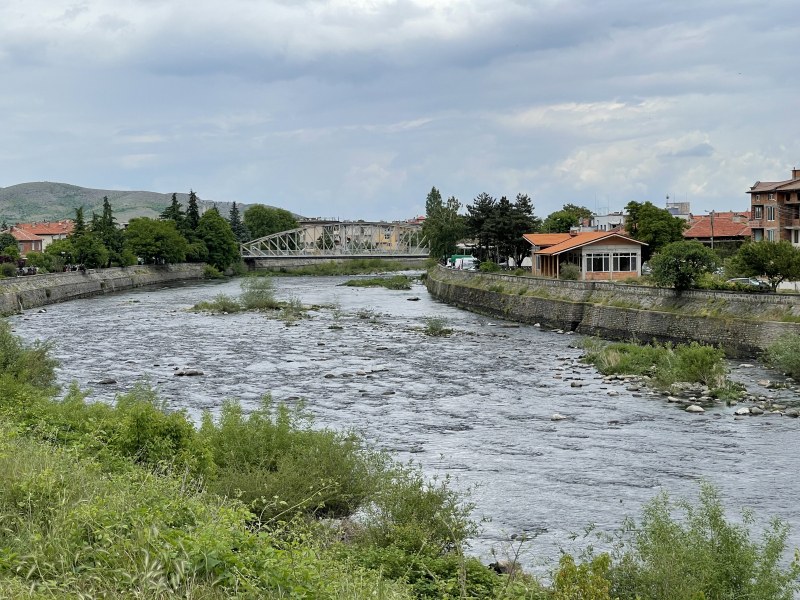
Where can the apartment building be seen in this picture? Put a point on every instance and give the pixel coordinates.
(775, 209)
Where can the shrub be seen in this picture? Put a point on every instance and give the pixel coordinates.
(489, 266)
(436, 327)
(398, 282)
(680, 264)
(212, 272)
(8, 269)
(569, 272)
(699, 554)
(784, 354)
(221, 303)
(258, 293)
(32, 364)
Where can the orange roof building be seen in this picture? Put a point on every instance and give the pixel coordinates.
(47, 231)
(729, 226)
(600, 255)
(775, 208)
(26, 241)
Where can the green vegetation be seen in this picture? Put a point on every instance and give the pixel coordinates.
(357, 266)
(654, 226)
(262, 220)
(500, 225)
(561, 221)
(680, 264)
(569, 272)
(398, 282)
(258, 293)
(666, 364)
(775, 261)
(443, 227)
(436, 327)
(784, 354)
(219, 304)
(489, 266)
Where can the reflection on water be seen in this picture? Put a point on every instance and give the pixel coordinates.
(476, 405)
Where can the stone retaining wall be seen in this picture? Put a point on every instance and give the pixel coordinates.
(622, 312)
(18, 293)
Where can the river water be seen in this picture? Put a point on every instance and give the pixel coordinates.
(476, 405)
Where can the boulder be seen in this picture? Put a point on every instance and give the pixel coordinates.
(576, 384)
(107, 381)
(188, 373)
(792, 412)
(557, 417)
(693, 408)
(740, 412)
(756, 410)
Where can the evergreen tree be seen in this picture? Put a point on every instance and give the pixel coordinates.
(479, 215)
(216, 233)
(192, 214)
(105, 229)
(80, 224)
(443, 227)
(237, 225)
(174, 212)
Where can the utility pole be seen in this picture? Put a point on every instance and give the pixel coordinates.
(712, 229)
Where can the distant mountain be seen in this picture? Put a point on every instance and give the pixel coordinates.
(45, 201)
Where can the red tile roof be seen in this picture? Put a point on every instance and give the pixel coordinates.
(726, 225)
(64, 227)
(23, 236)
(571, 242)
(542, 240)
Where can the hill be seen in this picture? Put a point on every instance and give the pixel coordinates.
(46, 201)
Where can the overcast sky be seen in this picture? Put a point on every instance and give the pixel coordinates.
(355, 108)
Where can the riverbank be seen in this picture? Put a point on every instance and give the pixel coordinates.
(20, 293)
(741, 324)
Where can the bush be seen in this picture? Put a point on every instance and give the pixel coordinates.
(32, 364)
(569, 272)
(212, 272)
(436, 327)
(784, 354)
(258, 293)
(680, 264)
(8, 269)
(489, 266)
(221, 303)
(398, 282)
(699, 554)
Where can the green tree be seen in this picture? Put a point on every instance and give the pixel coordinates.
(240, 231)
(216, 233)
(263, 220)
(192, 215)
(443, 227)
(154, 241)
(105, 228)
(561, 221)
(478, 222)
(174, 212)
(776, 261)
(62, 252)
(679, 264)
(7, 240)
(654, 226)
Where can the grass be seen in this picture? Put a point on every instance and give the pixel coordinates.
(436, 327)
(358, 266)
(398, 282)
(784, 354)
(258, 293)
(219, 304)
(665, 364)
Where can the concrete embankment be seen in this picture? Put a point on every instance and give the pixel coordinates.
(742, 324)
(19, 293)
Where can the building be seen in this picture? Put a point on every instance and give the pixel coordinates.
(775, 209)
(47, 231)
(614, 221)
(600, 255)
(730, 228)
(26, 241)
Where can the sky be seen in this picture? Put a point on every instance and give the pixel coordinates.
(354, 109)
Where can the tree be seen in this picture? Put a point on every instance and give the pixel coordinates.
(776, 261)
(240, 231)
(561, 221)
(105, 229)
(174, 212)
(478, 220)
(654, 226)
(216, 233)
(7, 241)
(155, 242)
(443, 227)
(192, 215)
(263, 220)
(679, 264)
(61, 252)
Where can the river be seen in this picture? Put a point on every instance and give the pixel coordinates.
(476, 405)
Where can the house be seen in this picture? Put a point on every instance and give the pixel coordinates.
(775, 209)
(47, 231)
(721, 228)
(611, 222)
(600, 255)
(26, 241)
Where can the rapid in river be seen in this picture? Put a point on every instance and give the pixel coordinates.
(475, 406)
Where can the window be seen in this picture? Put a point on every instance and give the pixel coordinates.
(771, 235)
(625, 261)
(770, 196)
(597, 262)
(770, 213)
(758, 235)
(758, 212)
(757, 196)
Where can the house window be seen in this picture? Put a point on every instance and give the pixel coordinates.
(757, 196)
(770, 213)
(758, 235)
(770, 196)
(625, 261)
(771, 235)
(597, 262)
(758, 212)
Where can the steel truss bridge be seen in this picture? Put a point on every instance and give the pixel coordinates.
(339, 238)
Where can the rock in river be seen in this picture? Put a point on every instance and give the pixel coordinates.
(188, 373)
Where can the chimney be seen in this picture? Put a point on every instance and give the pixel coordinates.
(795, 173)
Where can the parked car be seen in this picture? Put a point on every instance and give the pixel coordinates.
(751, 282)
